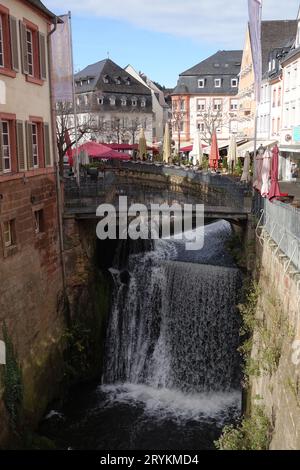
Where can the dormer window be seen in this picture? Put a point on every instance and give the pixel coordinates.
(217, 83)
(106, 79)
(234, 82)
(134, 102)
(123, 101)
(118, 81)
(112, 100)
(201, 83)
(128, 81)
(100, 100)
(143, 103)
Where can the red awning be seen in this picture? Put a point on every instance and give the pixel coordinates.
(95, 150)
(130, 147)
(189, 148)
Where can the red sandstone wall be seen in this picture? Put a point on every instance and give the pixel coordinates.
(31, 288)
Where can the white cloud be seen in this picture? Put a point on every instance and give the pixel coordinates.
(220, 22)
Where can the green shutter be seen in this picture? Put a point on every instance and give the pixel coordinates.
(47, 150)
(1, 149)
(24, 54)
(29, 146)
(14, 43)
(42, 53)
(20, 146)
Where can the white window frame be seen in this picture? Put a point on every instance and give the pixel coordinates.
(6, 147)
(143, 104)
(201, 82)
(218, 104)
(233, 105)
(112, 101)
(2, 61)
(201, 126)
(29, 45)
(134, 102)
(35, 145)
(201, 105)
(218, 82)
(234, 83)
(123, 101)
(100, 101)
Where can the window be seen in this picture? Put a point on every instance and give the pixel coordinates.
(273, 64)
(100, 101)
(106, 79)
(201, 126)
(278, 125)
(134, 102)
(217, 83)
(181, 127)
(38, 221)
(217, 105)
(86, 100)
(6, 149)
(112, 101)
(35, 145)
(233, 105)
(234, 82)
(143, 103)
(201, 83)
(123, 101)
(201, 105)
(9, 57)
(118, 81)
(1, 43)
(8, 230)
(279, 96)
(182, 105)
(128, 81)
(29, 46)
(233, 126)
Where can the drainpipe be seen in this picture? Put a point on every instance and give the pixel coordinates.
(56, 165)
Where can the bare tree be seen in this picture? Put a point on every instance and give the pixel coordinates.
(66, 129)
(212, 119)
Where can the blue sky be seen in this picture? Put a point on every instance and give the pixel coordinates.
(160, 37)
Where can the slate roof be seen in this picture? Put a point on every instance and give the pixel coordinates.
(96, 73)
(41, 6)
(223, 64)
(276, 34)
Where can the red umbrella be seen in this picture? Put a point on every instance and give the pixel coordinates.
(214, 155)
(274, 189)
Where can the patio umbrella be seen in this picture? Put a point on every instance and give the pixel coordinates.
(246, 170)
(214, 155)
(265, 173)
(274, 189)
(197, 152)
(232, 153)
(142, 149)
(258, 169)
(167, 144)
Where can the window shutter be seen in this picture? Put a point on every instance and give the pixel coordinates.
(14, 43)
(29, 145)
(24, 54)
(1, 149)
(42, 52)
(20, 146)
(47, 151)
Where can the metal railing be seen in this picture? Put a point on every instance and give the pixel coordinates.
(231, 193)
(279, 225)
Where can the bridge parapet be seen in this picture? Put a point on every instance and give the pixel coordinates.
(145, 183)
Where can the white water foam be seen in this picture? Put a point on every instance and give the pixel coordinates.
(163, 403)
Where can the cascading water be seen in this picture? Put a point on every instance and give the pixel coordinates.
(171, 370)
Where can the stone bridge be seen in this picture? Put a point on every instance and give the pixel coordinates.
(222, 196)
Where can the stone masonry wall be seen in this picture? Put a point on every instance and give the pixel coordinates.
(276, 383)
(31, 288)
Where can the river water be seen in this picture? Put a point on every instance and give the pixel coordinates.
(171, 375)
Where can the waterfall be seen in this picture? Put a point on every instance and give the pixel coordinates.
(174, 324)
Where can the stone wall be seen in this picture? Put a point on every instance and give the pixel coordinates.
(31, 292)
(275, 383)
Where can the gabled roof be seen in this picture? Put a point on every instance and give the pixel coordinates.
(276, 34)
(41, 6)
(221, 63)
(96, 72)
